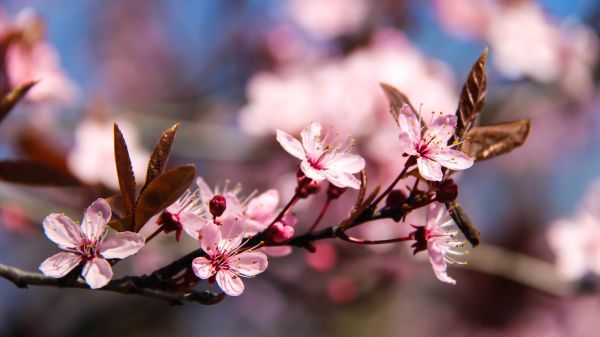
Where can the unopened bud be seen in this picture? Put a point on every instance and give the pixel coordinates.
(308, 188)
(395, 199)
(334, 192)
(280, 232)
(448, 191)
(217, 205)
(169, 223)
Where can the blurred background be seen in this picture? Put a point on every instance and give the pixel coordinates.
(234, 71)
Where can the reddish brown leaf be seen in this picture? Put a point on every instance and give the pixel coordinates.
(12, 98)
(485, 142)
(162, 192)
(29, 172)
(124, 171)
(40, 147)
(160, 155)
(463, 222)
(472, 97)
(116, 205)
(396, 100)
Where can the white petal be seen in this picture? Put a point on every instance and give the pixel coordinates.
(436, 257)
(62, 230)
(97, 215)
(453, 159)
(192, 223)
(202, 268)
(263, 207)
(97, 273)
(311, 139)
(290, 144)
(249, 263)
(342, 179)
(122, 245)
(345, 162)
(210, 237)
(206, 192)
(406, 144)
(442, 128)
(60, 264)
(409, 123)
(231, 284)
(311, 172)
(429, 169)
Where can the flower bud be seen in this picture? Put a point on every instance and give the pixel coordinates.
(308, 189)
(448, 191)
(280, 232)
(217, 205)
(395, 199)
(169, 223)
(334, 192)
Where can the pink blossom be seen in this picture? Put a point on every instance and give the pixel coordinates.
(184, 214)
(260, 211)
(227, 261)
(323, 159)
(430, 147)
(328, 18)
(88, 244)
(439, 241)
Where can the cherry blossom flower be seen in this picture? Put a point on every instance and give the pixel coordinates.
(328, 18)
(430, 147)
(227, 262)
(184, 214)
(439, 240)
(322, 158)
(88, 244)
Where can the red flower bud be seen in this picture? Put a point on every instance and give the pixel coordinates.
(280, 232)
(448, 191)
(217, 205)
(395, 199)
(334, 192)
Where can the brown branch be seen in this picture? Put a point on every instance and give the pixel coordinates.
(127, 285)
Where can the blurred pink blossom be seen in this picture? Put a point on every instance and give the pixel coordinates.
(225, 261)
(324, 258)
(326, 19)
(322, 158)
(464, 18)
(342, 289)
(88, 244)
(576, 241)
(346, 92)
(92, 159)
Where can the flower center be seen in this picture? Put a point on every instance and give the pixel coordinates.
(89, 249)
(169, 221)
(220, 261)
(316, 162)
(424, 148)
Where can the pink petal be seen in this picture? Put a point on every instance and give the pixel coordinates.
(429, 169)
(311, 140)
(97, 273)
(122, 245)
(206, 192)
(442, 128)
(62, 230)
(290, 144)
(202, 268)
(277, 251)
(210, 237)
(97, 215)
(233, 230)
(409, 123)
(263, 207)
(406, 144)
(435, 214)
(345, 162)
(342, 179)
(453, 159)
(231, 284)
(436, 257)
(192, 223)
(249, 263)
(311, 172)
(60, 264)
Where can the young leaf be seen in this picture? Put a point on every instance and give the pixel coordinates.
(396, 100)
(124, 171)
(29, 172)
(472, 97)
(12, 98)
(463, 222)
(122, 225)
(485, 142)
(160, 155)
(162, 192)
(116, 205)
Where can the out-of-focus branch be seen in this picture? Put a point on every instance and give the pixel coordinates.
(126, 285)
